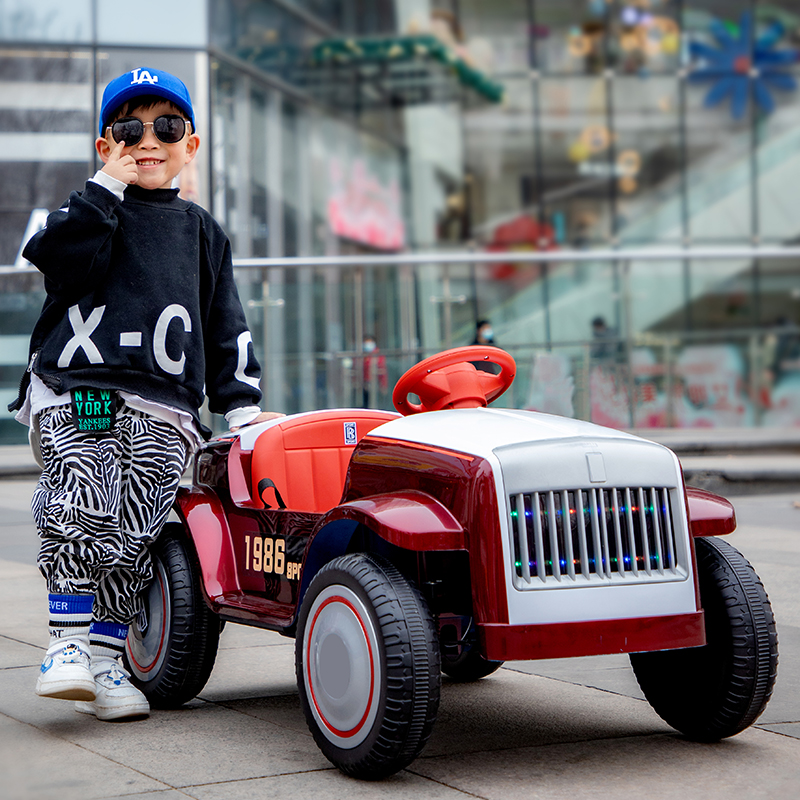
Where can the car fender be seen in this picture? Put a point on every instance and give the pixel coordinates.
(205, 523)
(709, 514)
(408, 519)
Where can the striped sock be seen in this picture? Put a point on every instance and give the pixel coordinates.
(70, 616)
(107, 639)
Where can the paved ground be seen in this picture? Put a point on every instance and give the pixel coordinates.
(554, 729)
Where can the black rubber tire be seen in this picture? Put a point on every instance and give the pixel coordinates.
(709, 693)
(462, 661)
(469, 665)
(361, 602)
(171, 651)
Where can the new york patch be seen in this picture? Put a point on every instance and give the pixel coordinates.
(93, 409)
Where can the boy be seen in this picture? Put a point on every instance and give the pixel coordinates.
(141, 317)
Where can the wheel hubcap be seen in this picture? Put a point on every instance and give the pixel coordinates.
(146, 645)
(342, 666)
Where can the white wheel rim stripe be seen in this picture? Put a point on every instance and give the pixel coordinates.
(339, 616)
(136, 647)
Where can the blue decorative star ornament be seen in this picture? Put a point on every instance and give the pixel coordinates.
(743, 63)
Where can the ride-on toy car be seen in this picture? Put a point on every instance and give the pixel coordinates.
(396, 546)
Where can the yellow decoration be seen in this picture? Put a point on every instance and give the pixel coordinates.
(578, 151)
(662, 29)
(671, 43)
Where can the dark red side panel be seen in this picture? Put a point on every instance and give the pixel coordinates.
(204, 518)
(568, 639)
(406, 518)
(709, 514)
(462, 484)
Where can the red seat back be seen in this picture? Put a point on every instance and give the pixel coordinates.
(307, 456)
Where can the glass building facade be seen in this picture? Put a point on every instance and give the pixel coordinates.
(599, 133)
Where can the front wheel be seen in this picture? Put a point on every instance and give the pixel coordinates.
(367, 661)
(172, 644)
(715, 691)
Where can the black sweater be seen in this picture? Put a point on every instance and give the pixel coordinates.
(141, 298)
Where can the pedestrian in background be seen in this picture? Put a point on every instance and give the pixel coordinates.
(484, 335)
(375, 374)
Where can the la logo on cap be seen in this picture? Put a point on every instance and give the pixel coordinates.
(141, 76)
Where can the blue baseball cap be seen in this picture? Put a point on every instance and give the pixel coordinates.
(145, 81)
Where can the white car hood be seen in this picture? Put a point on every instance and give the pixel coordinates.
(481, 431)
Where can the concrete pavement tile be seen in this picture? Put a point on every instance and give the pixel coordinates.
(249, 672)
(209, 744)
(18, 538)
(16, 494)
(235, 635)
(163, 794)
(510, 710)
(18, 654)
(774, 553)
(36, 765)
(23, 589)
(611, 673)
(199, 744)
(785, 729)
(280, 710)
(755, 765)
(785, 703)
(779, 508)
(327, 785)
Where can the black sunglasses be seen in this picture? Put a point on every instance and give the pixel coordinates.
(169, 128)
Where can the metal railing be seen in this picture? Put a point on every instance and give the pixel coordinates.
(309, 315)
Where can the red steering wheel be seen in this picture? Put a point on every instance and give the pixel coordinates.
(449, 380)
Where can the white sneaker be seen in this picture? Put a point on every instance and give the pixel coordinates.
(116, 697)
(65, 672)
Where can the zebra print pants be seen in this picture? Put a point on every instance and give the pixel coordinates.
(101, 500)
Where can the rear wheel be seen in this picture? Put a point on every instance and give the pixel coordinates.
(368, 670)
(718, 690)
(172, 644)
(462, 660)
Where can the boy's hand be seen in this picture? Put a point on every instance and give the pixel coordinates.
(264, 416)
(123, 168)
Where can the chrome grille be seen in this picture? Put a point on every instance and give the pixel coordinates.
(593, 535)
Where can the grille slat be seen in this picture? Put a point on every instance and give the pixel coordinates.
(566, 525)
(582, 537)
(634, 554)
(657, 531)
(594, 535)
(522, 537)
(620, 558)
(541, 572)
(668, 534)
(648, 561)
(555, 552)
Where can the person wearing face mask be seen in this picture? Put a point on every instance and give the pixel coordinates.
(375, 375)
(484, 335)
